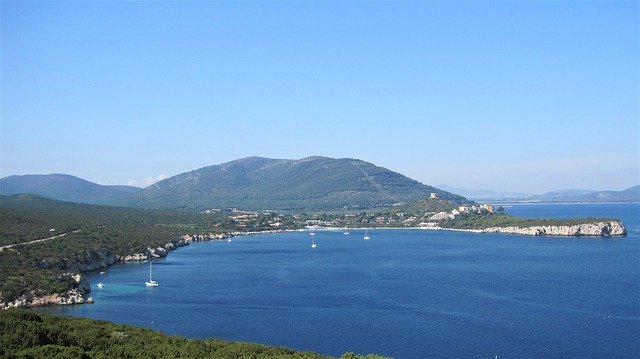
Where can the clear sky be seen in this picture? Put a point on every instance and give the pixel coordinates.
(509, 96)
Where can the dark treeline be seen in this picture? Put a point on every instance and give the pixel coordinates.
(28, 217)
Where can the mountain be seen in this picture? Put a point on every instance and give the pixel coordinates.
(559, 196)
(66, 188)
(309, 184)
(565, 193)
(482, 194)
(631, 194)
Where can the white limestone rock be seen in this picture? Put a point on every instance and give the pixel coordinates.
(603, 229)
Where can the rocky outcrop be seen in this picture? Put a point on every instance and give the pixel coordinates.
(603, 229)
(150, 253)
(160, 252)
(75, 295)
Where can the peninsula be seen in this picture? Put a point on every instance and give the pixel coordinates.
(487, 220)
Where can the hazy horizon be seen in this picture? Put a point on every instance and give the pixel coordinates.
(511, 96)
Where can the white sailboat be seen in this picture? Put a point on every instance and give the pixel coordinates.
(313, 242)
(150, 282)
(100, 285)
(366, 233)
(345, 232)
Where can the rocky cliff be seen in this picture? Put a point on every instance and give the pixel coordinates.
(603, 229)
(72, 296)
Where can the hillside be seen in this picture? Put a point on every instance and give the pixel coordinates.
(27, 217)
(66, 188)
(308, 184)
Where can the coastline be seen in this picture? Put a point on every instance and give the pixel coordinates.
(79, 293)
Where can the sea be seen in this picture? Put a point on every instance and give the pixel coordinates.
(402, 293)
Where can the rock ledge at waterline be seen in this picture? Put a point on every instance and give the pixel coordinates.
(602, 229)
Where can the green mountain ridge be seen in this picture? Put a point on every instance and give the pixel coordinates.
(631, 194)
(65, 187)
(254, 183)
(309, 184)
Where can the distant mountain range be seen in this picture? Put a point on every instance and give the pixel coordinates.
(482, 194)
(66, 188)
(253, 183)
(256, 183)
(631, 194)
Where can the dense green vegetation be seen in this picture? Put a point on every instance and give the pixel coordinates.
(487, 220)
(26, 334)
(427, 205)
(27, 217)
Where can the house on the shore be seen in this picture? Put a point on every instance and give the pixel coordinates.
(487, 207)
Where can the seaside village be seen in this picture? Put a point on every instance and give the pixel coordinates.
(272, 220)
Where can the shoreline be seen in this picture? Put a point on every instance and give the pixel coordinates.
(79, 294)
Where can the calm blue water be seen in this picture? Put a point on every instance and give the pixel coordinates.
(404, 293)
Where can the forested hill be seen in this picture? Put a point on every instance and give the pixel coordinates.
(309, 184)
(66, 188)
(27, 217)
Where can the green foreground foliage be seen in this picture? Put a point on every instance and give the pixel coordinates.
(26, 334)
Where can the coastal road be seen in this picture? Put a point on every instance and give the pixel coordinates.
(40, 240)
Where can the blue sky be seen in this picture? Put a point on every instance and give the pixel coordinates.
(509, 96)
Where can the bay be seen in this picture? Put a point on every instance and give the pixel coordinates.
(403, 293)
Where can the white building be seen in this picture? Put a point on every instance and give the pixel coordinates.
(441, 215)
